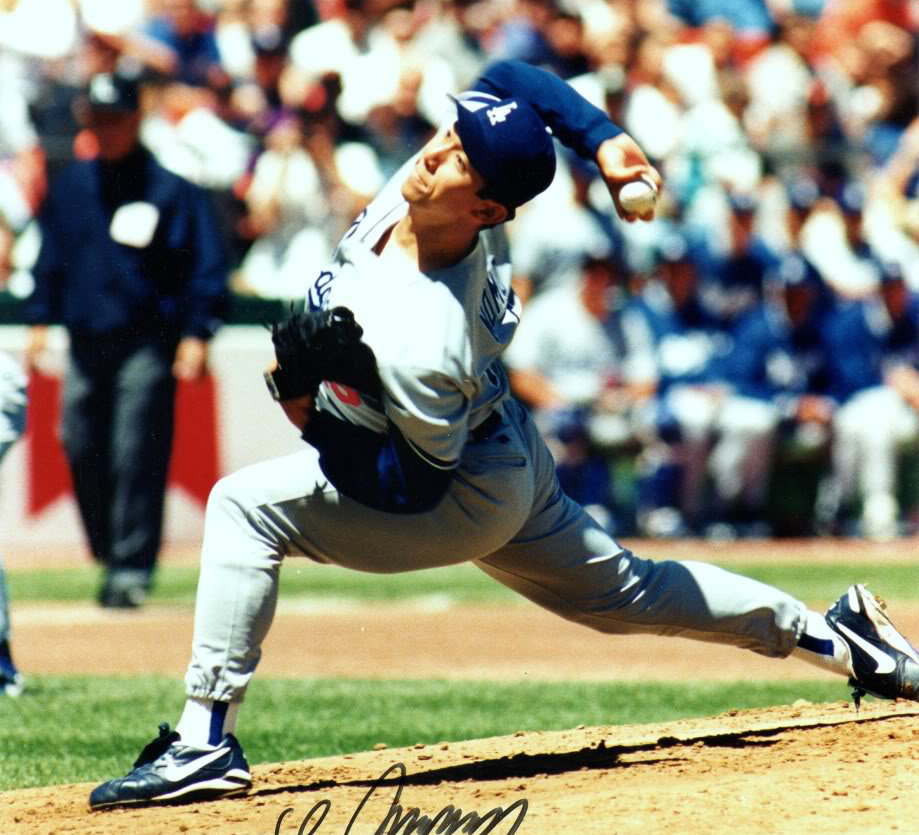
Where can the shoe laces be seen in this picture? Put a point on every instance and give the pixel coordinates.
(154, 750)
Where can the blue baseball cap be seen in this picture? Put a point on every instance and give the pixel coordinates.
(510, 146)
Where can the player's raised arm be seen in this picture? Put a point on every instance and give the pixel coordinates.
(584, 128)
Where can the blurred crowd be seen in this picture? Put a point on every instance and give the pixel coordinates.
(746, 364)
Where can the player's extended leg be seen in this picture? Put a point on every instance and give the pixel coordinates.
(564, 562)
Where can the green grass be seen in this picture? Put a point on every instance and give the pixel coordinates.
(299, 578)
(824, 582)
(821, 582)
(69, 729)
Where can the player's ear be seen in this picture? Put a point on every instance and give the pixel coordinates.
(490, 213)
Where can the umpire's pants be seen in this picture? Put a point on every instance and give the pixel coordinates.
(116, 429)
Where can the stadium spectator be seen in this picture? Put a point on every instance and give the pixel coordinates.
(546, 33)
(685, 345)
(183, 46)
(778, 373)
(568, 362)
(837, 245)
(454, 32)
(735, 277)
(286, 218)
(778, 80)
(22, 160)
(136, 273)
(874, 351)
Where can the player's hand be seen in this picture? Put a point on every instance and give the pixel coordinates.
(622, 161)
(190, 359)
(36, 344)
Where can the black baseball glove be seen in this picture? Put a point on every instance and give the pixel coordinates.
(324, 345)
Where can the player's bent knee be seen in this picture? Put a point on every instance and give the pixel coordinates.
(224, 498)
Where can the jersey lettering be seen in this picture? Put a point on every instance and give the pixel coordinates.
(497, 312)
(500, 114)
(346, 394)
(354, 224)
(319, 292)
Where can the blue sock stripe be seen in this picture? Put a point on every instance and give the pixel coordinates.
(218, 714)
(821, 646)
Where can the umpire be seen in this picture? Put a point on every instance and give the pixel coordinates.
(132, 264)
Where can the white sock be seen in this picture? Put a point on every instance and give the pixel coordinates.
(821, 646)
(204, 722)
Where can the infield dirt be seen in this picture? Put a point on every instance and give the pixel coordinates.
(803, 769)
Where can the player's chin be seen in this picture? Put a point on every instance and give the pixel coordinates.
(412, 191)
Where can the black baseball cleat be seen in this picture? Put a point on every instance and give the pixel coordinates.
(167, 770)
(884, 663)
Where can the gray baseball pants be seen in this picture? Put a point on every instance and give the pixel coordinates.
(4, 594)
(503, 511)
(12, 425)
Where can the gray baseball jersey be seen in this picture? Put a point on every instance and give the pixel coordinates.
(436, 337)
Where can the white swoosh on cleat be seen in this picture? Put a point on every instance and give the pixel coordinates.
(885, 663)
(177, 773)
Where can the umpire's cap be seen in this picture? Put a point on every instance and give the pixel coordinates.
(112, 92)
(509, 145)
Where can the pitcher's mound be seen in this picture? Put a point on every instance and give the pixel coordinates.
(802, 770)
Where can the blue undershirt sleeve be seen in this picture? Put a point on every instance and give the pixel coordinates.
(573, 120)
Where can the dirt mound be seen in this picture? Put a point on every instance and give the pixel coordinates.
(806, 768)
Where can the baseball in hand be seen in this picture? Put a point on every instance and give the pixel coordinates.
(639, 196)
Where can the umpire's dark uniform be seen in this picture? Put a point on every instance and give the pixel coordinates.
(131, 262)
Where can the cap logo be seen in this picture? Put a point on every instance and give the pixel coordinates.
(103, 89)
(500, 113)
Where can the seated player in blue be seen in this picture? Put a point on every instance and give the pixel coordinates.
(686, 346)
(874, 374)
(734, 277)
(777, 373)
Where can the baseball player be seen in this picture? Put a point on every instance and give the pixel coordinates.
(12, 425)
(418, 457)
(874, 375)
